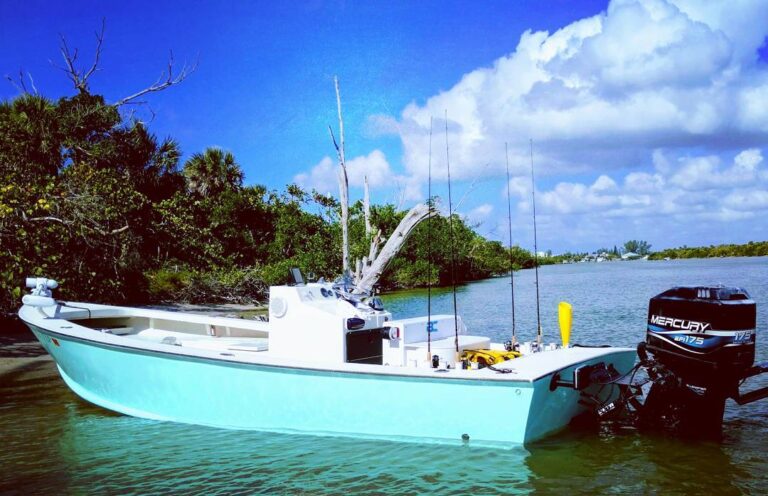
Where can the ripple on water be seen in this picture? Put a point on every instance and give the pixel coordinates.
(56, 443)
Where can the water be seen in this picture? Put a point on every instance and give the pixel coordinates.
(52, 441)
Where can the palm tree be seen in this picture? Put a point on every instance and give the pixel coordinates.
(212, 172)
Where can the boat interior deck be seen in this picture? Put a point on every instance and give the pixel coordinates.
(215, 337)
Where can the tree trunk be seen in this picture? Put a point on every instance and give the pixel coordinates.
(343, 186)
(367, 209)
(372, 273)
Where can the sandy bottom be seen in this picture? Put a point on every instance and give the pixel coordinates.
(32, 367)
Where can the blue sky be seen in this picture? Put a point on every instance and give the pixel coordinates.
(648, 117)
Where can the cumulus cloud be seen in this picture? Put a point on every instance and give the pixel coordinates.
(700, 186)
(479, 213)
(323, 176)
(662, 104)
(704, 173)
(604, 91)
(726, 201)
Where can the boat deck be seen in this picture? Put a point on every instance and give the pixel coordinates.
(223, 343)
(247, 342)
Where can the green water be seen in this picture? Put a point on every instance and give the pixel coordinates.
(52, 442)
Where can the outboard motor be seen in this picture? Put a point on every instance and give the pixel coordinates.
(700, 344)
(703, 334)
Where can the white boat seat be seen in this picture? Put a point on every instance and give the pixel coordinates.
(465, 343)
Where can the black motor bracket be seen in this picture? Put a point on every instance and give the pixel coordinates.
(585, 376)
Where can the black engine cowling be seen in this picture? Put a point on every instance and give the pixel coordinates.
(704, 334)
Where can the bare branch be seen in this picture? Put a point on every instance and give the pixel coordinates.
(113, 231)
(79, 77)
(49, 219)
(69, 60)
(374, 249)
(20, 86)
(99, 41)
(19, 83)
(166, 80)
(69, 223)
(32, 83)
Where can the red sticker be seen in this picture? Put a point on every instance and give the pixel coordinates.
(55, 341)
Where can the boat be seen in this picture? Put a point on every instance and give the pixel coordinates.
(326, 362)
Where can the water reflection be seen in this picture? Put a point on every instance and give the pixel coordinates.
(628, 462)
(56, 442)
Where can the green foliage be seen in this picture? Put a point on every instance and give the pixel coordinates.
(642, 248)
(76, 197)
(231, 285)
(167, 284)
(93, 199)
(212, 172)
(751, 249)
(426, 257)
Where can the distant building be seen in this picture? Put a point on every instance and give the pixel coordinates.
(630, 255)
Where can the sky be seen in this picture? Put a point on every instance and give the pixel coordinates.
(644, 119)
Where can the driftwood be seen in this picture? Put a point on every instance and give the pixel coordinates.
(371, 274)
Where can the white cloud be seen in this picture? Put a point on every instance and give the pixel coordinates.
(323, 177)
(374, 165)
(725, 201)
(701, 187)
(703, 173)
(480, 212)
(602, 91)
(662, 104)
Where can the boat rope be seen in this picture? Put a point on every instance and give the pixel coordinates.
(450, 231)
(500, 371)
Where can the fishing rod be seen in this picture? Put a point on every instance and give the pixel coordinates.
(513, 344)
(429, 250)
(535, 253)
(450, 230)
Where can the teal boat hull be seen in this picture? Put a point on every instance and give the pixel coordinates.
(235, 395)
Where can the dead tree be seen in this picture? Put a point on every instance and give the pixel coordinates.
(21, 85)
(367, 208)
(343, 184)
(369, 268)
(79, 76)
(167, 79)
(370, 274)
